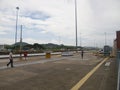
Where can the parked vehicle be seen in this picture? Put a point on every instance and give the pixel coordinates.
(107, 50)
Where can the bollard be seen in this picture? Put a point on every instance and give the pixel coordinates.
(48, 55)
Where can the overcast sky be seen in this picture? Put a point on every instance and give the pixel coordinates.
(53, 21)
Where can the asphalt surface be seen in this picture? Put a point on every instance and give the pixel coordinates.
(57, 73)
(105, 78)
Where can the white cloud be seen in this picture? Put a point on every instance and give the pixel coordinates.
(94, 19)
(6, 41)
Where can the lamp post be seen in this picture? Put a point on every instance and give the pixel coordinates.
(76, 24)
(105, 39)
(17, 8)
(80, 42)
(21, 42)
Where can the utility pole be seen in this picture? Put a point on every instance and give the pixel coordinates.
(76, 24)
(17, 8)
(80, 40)
(105, 39)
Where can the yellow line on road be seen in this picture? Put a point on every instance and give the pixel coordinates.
(85, 78)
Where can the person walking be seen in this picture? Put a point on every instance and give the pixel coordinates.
(82, 52)
(11, 59)
(25, 55)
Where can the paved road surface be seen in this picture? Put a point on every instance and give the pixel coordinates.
(57, 73)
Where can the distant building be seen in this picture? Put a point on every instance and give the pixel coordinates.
(116, 44)
(118, 40)
(2, 47)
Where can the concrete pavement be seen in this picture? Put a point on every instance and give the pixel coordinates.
(57, 73)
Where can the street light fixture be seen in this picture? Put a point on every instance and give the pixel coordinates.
(105, 39)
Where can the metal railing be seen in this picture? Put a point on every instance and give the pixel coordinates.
(29, 55)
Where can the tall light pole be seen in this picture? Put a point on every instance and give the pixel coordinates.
(80, 40)
(17, 8)
(76, 24)
(105, 39)
(21, 42)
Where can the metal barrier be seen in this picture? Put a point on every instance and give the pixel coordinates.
(118, 62)
(29, 55)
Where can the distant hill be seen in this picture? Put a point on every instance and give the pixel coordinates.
(38, 46)
(50, 45)
(18, 44)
